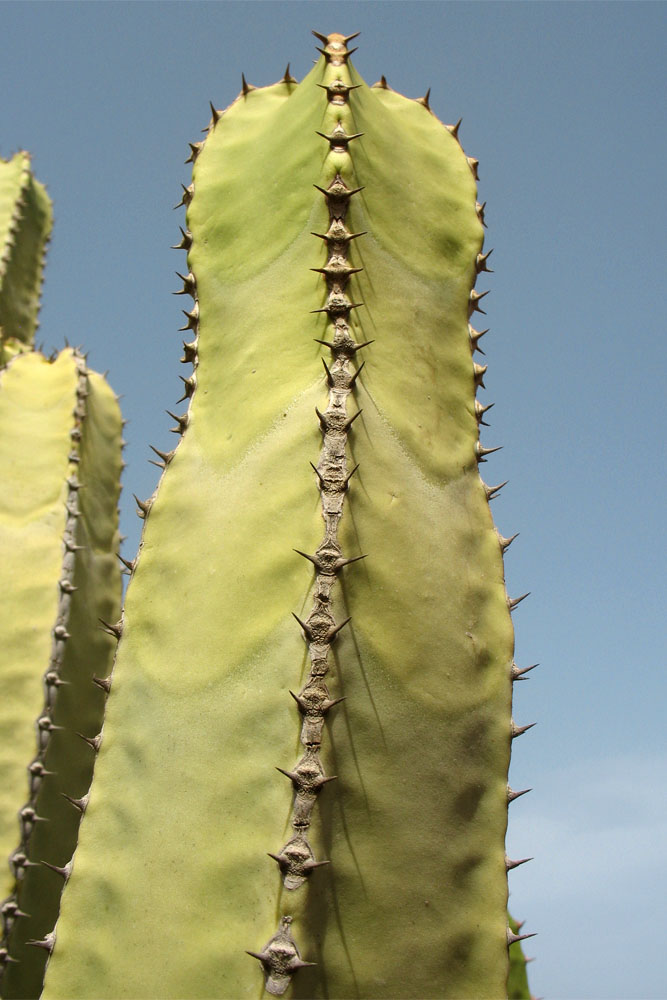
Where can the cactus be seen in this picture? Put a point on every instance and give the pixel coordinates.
(60, 431)
(301, 781)
(25, 225)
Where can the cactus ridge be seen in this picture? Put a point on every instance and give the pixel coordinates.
(296, 859)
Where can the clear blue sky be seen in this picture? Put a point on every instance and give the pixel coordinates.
(563, 104)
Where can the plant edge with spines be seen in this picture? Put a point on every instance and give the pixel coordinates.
(60, 456)
(281, 955)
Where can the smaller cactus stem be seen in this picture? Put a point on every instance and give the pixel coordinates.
(44, 724)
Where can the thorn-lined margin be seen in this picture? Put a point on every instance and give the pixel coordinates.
(44, 724)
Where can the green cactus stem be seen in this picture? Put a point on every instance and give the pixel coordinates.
(517, 983)
(60, 459)
(334, 240)
(25, 226)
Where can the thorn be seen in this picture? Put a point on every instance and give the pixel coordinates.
(513, 601)
(356, 376)
(481, 410)
(186, 242)
(348, 423)
(48, 942)
(475, 337)
(382, 84)
(93, 741)
(480, 214)
(319, 476)
(288, 78)
(473, 164)
(182, 422)
(510, 864)
(104, 683)
(192, 318)
(353, 559)
(307, 632)
(454, 129)
(505, 544)
(512, 938)
(518, 673)
(323, 421)
(492, 491)
(166, 457)
(245, 86)
(330, 381)
(336, 629)
(312, 559)
(215, 114)
(512, 795)
(188, 195)
(520, 730)
(116, 630)
(80, 804)
(479, 371)
(65, 871)
(482, 452)
(189, 386)
(424, 100)
(350, 474)
(195, 150)
(67, 587)
(189, 353)
(143, 505)
(480, 262)
(473, 302)
(189, 284)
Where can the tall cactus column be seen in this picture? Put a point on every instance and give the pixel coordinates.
(390, 881)
(60, 458)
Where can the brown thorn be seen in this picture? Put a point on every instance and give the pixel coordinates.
(306, 630)
(330, 380)
(348, 423)
(336, 629)
(319, 476)
(356, 375)
(520, 730)
(350, 474)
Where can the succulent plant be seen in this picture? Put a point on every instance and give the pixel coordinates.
(60, 460)
(25, 225)
(301, 781)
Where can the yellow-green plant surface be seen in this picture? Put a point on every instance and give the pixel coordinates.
(25, 225)
(60, 459)
(172, 883)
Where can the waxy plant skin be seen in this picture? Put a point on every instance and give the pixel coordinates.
(60, 463)
(301, 780)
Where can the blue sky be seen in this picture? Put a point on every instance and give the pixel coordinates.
(561, 103)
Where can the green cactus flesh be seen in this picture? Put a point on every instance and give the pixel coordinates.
(517, 983)
(195, 849)
(60, 460)
(25, 226)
